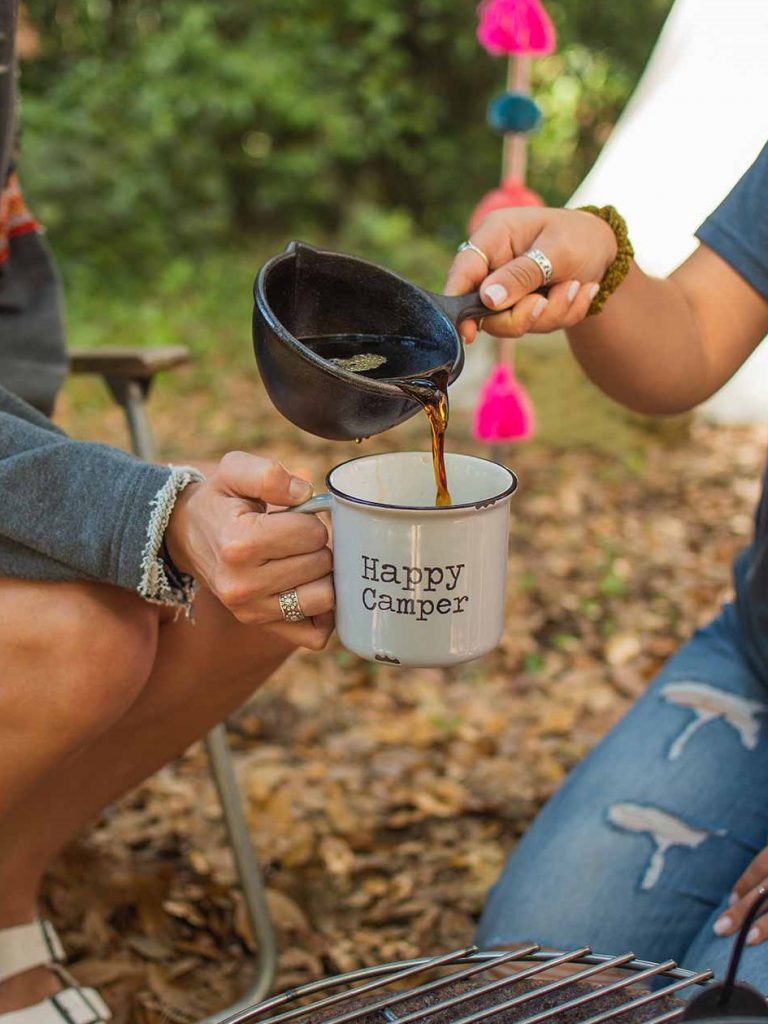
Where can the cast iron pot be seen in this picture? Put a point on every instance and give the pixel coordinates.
(307, 292)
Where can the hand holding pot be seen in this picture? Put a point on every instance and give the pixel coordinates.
(579, 246)
(220, 533)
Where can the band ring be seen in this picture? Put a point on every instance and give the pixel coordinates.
(474, 248)
(480, 323)
(290, 607)
(542, 262)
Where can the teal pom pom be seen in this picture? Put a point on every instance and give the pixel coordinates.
(513, 112)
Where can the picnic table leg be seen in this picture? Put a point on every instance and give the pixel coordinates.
(132, 396)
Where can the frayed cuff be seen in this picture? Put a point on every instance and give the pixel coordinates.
(159, 583)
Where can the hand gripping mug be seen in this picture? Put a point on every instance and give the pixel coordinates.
(417, 584)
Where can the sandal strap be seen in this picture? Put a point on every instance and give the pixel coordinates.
(28, 945)
(72, 1005)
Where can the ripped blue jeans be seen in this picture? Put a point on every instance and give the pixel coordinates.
(640, 848)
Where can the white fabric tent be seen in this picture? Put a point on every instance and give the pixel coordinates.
(696, 121)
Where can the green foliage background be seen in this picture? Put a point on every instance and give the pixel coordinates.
(159, 132)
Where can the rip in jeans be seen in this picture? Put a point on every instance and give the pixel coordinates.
(664, 829)
(708, 704)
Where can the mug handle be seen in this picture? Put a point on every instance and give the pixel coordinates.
(318, 503)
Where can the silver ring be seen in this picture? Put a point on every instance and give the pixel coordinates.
(290, 607)
(473, 248)
(542, 262)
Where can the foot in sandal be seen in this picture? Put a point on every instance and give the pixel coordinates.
(34, 988)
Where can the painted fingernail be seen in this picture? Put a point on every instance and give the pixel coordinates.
(538, 308)
(497, 293)
(573, 290)
(753, 936)
(299, 488)
(593, 290)
(723, 925)
(733, 898)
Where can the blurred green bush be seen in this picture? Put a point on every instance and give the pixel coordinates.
(159, 128)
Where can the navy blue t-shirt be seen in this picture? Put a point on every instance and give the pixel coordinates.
(738, 232)
(738, 228)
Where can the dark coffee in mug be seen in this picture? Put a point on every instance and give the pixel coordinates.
(381, 357)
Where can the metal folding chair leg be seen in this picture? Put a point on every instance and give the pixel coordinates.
(131, 395)
(248, 870)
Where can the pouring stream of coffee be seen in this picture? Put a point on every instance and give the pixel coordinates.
(368, 355)
(431, 390)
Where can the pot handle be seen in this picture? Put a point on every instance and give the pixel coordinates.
(318, 503)
(461, 307)
(470, 306)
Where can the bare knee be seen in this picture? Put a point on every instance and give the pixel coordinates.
(78, 653)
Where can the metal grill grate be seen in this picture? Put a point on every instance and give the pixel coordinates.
(525, 986)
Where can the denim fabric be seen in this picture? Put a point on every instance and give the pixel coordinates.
(641, 846)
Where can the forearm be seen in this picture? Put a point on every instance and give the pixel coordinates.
(658, 346)
(646, 349)
(75, 510)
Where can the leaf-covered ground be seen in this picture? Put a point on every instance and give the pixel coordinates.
(383, 802)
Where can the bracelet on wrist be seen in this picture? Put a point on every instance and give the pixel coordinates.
(619, 269)
(176, 575)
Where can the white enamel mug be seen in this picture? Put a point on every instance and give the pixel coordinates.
(418, 584)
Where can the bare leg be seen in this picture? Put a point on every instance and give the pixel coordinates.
(172, 682)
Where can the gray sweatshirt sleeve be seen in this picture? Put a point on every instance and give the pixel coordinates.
(74, 510)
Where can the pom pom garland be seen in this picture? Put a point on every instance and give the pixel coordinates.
(504, 412)
(515, 27)
(511, 193)
(514, 112)
(520, 29)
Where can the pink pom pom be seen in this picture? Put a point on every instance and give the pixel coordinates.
(504, 411)
(515, 26)
(511, 193)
